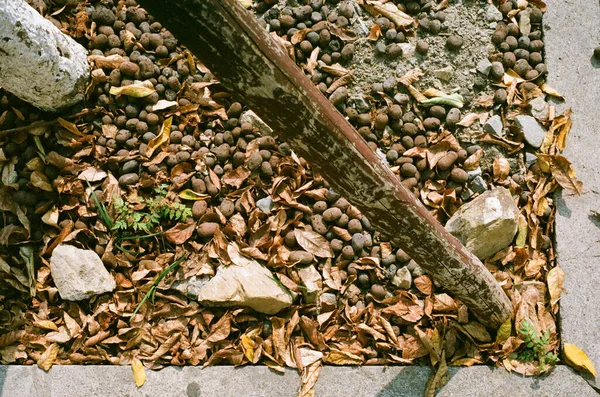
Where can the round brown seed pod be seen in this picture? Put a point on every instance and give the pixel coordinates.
(505, 8)
(513, 29)
(532, 75)
(521, 67)
(381, 121)
(447, 161)
(509, 59)
(500, 33)
(454, 42)
(409, 129)
(431, 123)
(459, 175)
(536, 46)
(512, 42)
(422, 47)
(500, 96)
(395, 112)
(393, 51)
(535, 58)
(497, 71)
(378, 291)
(420, 141)
(437, 111)
(453, 117)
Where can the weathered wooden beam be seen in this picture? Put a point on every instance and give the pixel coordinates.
(248, 62)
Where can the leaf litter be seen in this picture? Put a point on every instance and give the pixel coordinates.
(146, 324)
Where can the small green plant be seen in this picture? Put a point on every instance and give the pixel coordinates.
(536, 347)
(157, 209)
(151, 294)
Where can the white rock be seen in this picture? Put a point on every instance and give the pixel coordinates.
(408, 50)
(487, 224)
(494, 125)
(493, 14)
(38, 63)
(79, 274)
(265, 204)
(402, 279)
(313, 282)
(484, 66)
(248, 284)
(250, 117)
(190, 287)
(533, 131)
(539, 108)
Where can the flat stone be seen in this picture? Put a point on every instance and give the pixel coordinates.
(444, 74)
(493, 14)
(539, 108)
(484, 66)
(478, 184)
(313, 282)
(361, 104)
(530, 159)
(494, 125)
(408, 50)
(265, 204)
(533, 131)
(250, 117)
(402, 279)
(245, 283)
(487, 224)
(79, 274)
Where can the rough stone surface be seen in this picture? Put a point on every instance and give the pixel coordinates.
(493, 14)
(312, 281)
(487, 224)
(250, 117)
(38, 63)
(533, 131)
(245, 284)
(190, 287)
(260, 381)
(484, 66)
(494, 125)
(539, 108)
(402, 279)
(576, 75)
(79, 274)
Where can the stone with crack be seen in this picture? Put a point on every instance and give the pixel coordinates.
(79, 274)
(487, 224)
(247, 284)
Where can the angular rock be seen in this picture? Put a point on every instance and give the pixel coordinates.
(487, 224)
(530, 159)
(494, 125)
(79, 274)
(445, 74)
(484, 66)
(533, 131)
(247, 283)
(493, 14)
(250, 117)
(402, 279)
(478, 184)
(313, 282)
(190, 287)
(539, 108)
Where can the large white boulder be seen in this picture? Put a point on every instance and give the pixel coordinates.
(487, 224)
(79, 274)
(38, 63)
(245, 283)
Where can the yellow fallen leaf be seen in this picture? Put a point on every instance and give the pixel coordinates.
(504, 332)
(46, 324)
(555, 280)
(139, 373)
(339, 357)
(246, 3)
(135, 90)
(47, 358)
(71, 127)
(563, 172)
(576, 358)
(189, 194)
(551, 91)
(163, 137)
(40, 180)
(248, 345)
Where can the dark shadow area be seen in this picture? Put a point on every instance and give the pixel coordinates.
(411, 382)
(561, 205)
(595, 62)
(3, 370)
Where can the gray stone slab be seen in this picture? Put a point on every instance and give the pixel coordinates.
(259, 381)
(571, 32)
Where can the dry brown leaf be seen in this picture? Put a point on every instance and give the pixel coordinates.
(180, 233)
(424, 285)
(555, 280)
(340, 357)
(236, 177)
(501, 168)
(374, 33)
(314, 243)
(563, 172)
(136, 90)
(388, 10)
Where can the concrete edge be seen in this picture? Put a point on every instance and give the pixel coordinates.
(259, 381)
